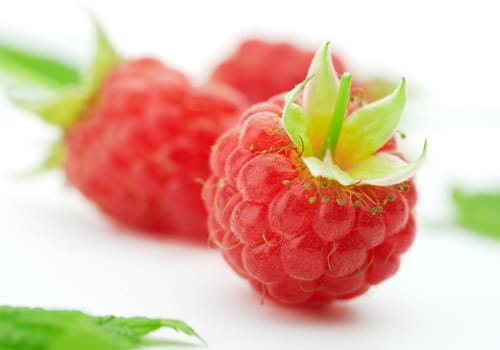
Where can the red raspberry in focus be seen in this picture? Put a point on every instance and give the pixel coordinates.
(261, 69)
(298, 239)
(304, 238)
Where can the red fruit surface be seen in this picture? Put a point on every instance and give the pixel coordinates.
(302, 240)
(261, 69)
(140, 151)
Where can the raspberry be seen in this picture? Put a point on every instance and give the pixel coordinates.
(260, 69)
(288, 238)
(300, 238)
(138, 144)
(145, 144)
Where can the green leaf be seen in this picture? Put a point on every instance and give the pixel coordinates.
(30, 68)
(320, 96)
(478, 212)
(40, 329)
(369, 128)
(295, 122)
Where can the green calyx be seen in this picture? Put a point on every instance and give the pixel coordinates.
(64, 105)
(339, 147)
(67, 93)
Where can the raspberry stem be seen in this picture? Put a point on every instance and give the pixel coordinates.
(333, 133)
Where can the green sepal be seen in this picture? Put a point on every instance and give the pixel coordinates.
(40, 329)
(65, 106)
(34, 69)
(320, 96)
(385, 169)
(370, 127)
(378, 88)
(381, 169)
(295, 121)
(327, 169)
(61, 109)
(478, 212)
(345, 148)
(54, 159)
(105, 59)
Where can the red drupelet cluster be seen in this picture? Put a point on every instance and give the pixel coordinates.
(296, 238)
(140, 150)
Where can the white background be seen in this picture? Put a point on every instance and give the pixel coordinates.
(56, 250)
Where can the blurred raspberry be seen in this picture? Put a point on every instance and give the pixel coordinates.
(261, 69)
(142, 148)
